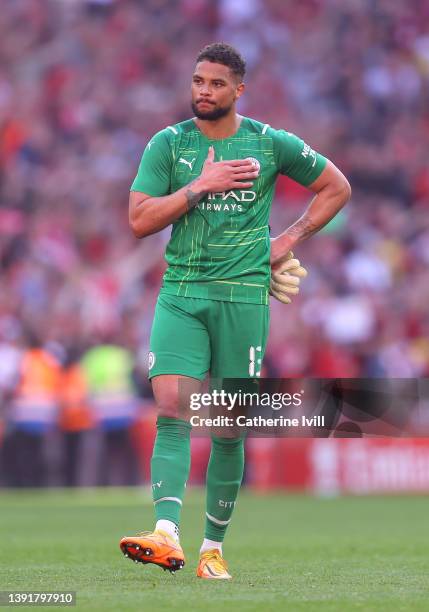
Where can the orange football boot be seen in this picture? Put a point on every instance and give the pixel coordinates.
(154, 547)
(213, 566)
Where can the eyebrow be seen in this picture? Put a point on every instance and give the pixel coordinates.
(217, 79)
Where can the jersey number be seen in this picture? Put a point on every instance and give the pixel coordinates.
(254, 362)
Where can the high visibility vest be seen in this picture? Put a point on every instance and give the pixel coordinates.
(108, 369)
(36, 397)
(75, 412)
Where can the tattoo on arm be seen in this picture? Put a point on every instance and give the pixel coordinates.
(303, 228)
(323, 207)
(193, 197)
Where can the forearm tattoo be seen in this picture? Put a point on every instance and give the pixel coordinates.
(193, 197)
(303, 228)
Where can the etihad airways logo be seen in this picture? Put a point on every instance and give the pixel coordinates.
(227, 200)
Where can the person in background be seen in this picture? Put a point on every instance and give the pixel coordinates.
(108, 369)
(76, 419)
(33, 414)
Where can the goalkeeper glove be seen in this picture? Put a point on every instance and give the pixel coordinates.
(286, 278)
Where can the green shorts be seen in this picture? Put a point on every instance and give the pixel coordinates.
(192, 336)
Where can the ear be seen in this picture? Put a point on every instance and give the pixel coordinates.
(239, 90)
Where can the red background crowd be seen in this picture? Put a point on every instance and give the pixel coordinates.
(83, 87)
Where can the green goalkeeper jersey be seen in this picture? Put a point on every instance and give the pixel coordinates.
(221, 249)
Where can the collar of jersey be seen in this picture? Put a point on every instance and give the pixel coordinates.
(240, 127)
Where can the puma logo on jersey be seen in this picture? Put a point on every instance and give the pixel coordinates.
(188, 163)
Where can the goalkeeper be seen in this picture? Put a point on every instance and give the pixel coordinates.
(212, 178)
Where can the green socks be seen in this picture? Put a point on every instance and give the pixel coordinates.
(170, 464)
(224, 476)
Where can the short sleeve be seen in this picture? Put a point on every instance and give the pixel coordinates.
(297, 159)
(153, 176)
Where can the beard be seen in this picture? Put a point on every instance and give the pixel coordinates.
(210, 115)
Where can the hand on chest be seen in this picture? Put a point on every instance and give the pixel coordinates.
(189, 162)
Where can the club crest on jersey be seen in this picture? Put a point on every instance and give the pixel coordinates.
(255, 162)
(151, 360)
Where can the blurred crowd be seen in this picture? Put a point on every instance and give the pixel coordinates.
(71, 421)
(84, 84)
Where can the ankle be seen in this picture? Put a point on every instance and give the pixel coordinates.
(168, 527)
(210, 545)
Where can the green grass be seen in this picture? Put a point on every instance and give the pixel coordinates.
(285, 552)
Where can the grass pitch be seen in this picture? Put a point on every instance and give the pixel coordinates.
(284, 552)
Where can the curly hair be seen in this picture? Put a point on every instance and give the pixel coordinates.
(222, 53)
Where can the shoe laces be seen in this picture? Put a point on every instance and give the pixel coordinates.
(217, 559)
(150, 534)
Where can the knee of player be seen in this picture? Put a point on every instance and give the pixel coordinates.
(168, 410)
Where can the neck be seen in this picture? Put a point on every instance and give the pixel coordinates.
(222, 128)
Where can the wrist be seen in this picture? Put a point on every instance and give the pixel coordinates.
(194, 194)
(198, 185)
(280, 247)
